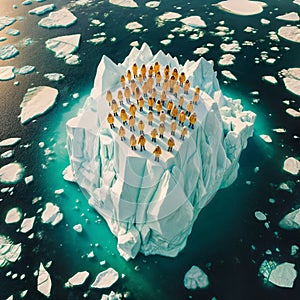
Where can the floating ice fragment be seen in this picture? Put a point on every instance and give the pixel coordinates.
(201, 50)
(228, 74)
(59, 191)
(291, 220)
(169, 16)
(37, 101)
(292, 16)
(294, 250)
(44, 283)
(77, 228)
(7, 73)
(264, 21)
(91, 254)
(291, 79)
(153, 4)
(294, 113)
(7, 154)
(193, 21)
(266, 138)
(12, 32)
(68, 174)
(54, 76)
(260, 216)
(78, 279)
(75, 96)
(133, 26)
(232, 47)
(8, 51)
(195, 278)
(41, 10)
(27, 224)
(291, 165)
(9, 142)
(134, 44)
(291, 33)
(72, 59)
(105, 279)
(60, 18)
(27, 2)
(166, 42)
(6, 21)
(296, 2)
(279, 130)
(25, 70)
(124, 3)
(28, 179)
(51, 214)
(226, 60)
(14, 215)
(270, 79)
(11, 173)
(283, 275)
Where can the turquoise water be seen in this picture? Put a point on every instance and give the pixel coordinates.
(227, 242)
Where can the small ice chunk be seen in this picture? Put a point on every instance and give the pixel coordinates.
(36, 102)
(133, 26)
(166, 42)
(11, 173)
(105, 279)
(91, 254)
(153, 4)
(8, 51)
(279, 130)
(9, 142)
(195, 278)
(112, 296)
(60, 18)
(72, 59)
(266, 138)
(54, 76)
(59, 191)
(260, 216)
(292, 112)
(294, 250)
(193, 21)
(283, 275)
(201, 50)
(169, 16)
(27, 224)
(44, 283)
(77, 228)
(25, 70)
(270, 79)
(292, 16)
(124, 3)
(233, 47)
(14, 215)
(134, 44)
(291, 220)
(226, 60)
(264, 21)
(291, 33)
(41, 10)
(291, 165)
(12, 32)
(75, 96)
(228, 74)
(68, 174)
(7, 73)
(28, 179)
(27, 2)
(78, 279)
(7, 154)
(51, 214)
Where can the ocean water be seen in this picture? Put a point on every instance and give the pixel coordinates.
(227, 241)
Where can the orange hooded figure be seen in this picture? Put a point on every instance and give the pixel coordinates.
(158, 107)
(132, 109)
(114, 107)
(143, 71)
(171, 144)
(120, 97)
(176, 89)
(127, 94)
(183, 132)
(173, 126)
(165, 85)
(182, 118)
(175, 73)
(153, 93)
(163, 97)
(156, 67)
(181, 101)
(133, 142)
(123, 116)
(150, 83)
(189, 108)
(109, 97)
(172, 82)
(122, 133)
(141, 126)
(161, 129)
(140, 78)
(150, 117)
(110, 120)
(141, 103)
(196, 97)
(122, 81)
(134, 70)
(162, 116)
(158, 78)
(186, 87)
(142, 141)
(182, 78)
(169, 106)
(150, 71)
(192, 119)
(174, 112)
(137, 93)
(150, 103)
(131, 123)
(132, 86)
(153, 134)
(129, 75)
(157, 153)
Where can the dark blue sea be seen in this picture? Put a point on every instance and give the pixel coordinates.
(227, 241)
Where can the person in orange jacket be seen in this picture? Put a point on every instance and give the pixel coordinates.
(182, 118)
(140, 78)
(150, 83)
(129, 75)
(158, 78)
(176, 89)
(134, 70)
(158, 107)
(143, 71)
(182, 79)
(165, 85)
(145, 89)
(156, 67)
(161, 129)
(141, 103)
(167, 72)
(171, 144)
(169, 106)
(175, 73)
(132, 86)
(150, 103)
(197, 89)
(132, 109)
(186, 87)
(137, 93)
(131, 123)
(153, 134)
(127, 94)
(123, 116)
(153, 93)
(157, 153)
(162, 116)
(192, 119)
(122, 133)
(183, 132)
(174, 112)
(141, 126)
(114, 107)
(142, 141)
(150, 71)
(150, 117)
(110, 120)
(163, 97)
(132, 142)
(195, 98)
(181, 101)
(189, 108)
(122, 81)
(172, 82)
(109, 97)
(173, 126)
(120, 97)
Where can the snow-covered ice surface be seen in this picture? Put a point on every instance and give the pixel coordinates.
(283, 275)
(7, 73)
(292, 165)
(105, 279)
(150, 206)
(169, 16)
(78, 279)
(125, 3)
(193, 21)
(44, 283)
(9, 142)
(270, 79)
(51, 214)
(54, 76)
(14, 215)
(6, 21)
(291, 220)
(153, 4)
(8, 51)
(195, 278)
(11, 173)
(291, 33)
(27, 224)
(59, 18)
(36, 102)
(292, 16)
(41, 10)
(9, 252)
(228, 75)
(291, 79)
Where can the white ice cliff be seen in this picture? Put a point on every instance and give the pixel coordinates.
(151, 206)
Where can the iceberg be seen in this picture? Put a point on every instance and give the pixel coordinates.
(44, 282)
(51, 214)
(54, 76)
(195, 278)
(291, 79)
(193, 21)
(78, 279)
(283, 275)
(60, 18)
(9, 252)
(8, 51)
(36, 102)
(291, 220)
(291, 165)
(27, 224)
(291, 33)
(7, 73)
(13, 216)
(105, 279)
(11, 173)
(9, 142)
(124, 3)
(292, 16)
(151, 206)
(41, 10)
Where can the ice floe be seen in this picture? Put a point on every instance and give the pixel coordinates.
(291, 33)
(78, 279)
(134, 26)
(296, 2)
(292, 112)
(294, 250)
(226, 60)
(169, 16)
(11, 173)
(63, 45)
(68, 174)
(27, 2)
(292, 16)
(60, 18)
(193, 21)
(14, 215)
(12, 32)
(195, 278)
(265, 21)
(8, 51)
(7, 73)
(78, 228)
(25, 70)
(27, 224)
(291, 79)
(44, 283)
(260, 216)
(291, 220)
(37, 101)
(228, 74)
(51, 214)
(124, 3)
(9, 252)
(270, 79)
(232, 47)
(153, 4)
(72, 59)
(105, 279)
(41, 10)
(6, 21)
(166, 42)
(283, 275)
(243, 8)
(7, 154)
(28, 179)
(54, 76)
(266, 138)
(291, 165)
(201, 50)
(10, 142)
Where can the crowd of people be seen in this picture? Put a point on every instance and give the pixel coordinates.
(142, 86)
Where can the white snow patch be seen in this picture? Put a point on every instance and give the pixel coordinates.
(270, 79)
(105, 279)
(264, 21)
(37, 101)
(14, 215)
(291, 33)
(228, 75)
(7, 73)
(233, 47)
(169, 16)
(44, 283)
(291, 165)
(201, 50)
(193, 21)
(195, 278)
(226, 60)
(27, 224)
(41, 10)
(78, 279)
(11, 173)
(9, 142)
(124, 3)
(60, 18)
(292, 16)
